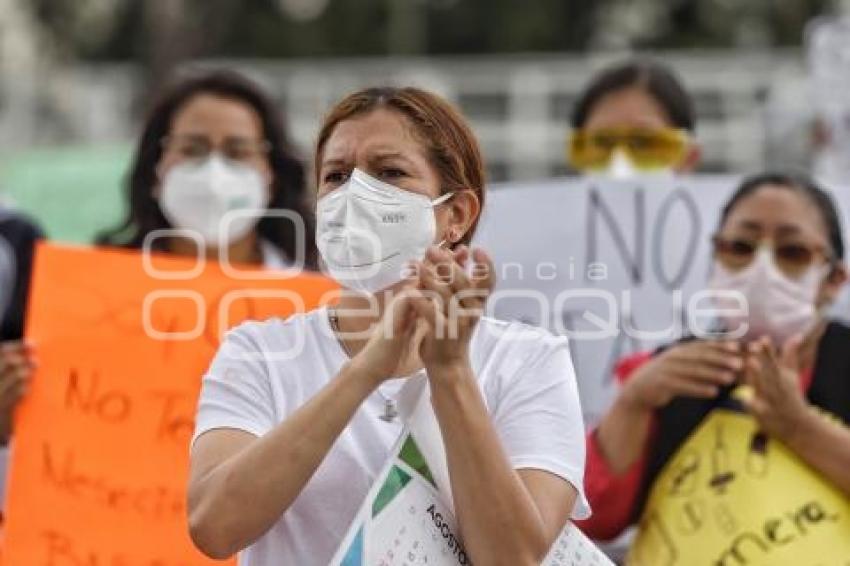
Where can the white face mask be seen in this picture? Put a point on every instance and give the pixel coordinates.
(368, 231)
(196, 196)
(622, 168)
(779, 307)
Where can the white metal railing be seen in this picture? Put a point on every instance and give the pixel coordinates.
(519, 105)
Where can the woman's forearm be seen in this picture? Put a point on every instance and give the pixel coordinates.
(237, 501)
(825, 446)
(498, 518)
(622, 434)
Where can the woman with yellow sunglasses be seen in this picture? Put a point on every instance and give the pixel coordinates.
(633, 118)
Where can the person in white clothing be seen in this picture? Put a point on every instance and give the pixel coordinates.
(297, 416)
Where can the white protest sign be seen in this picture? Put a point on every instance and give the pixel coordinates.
(408, 519)
(613, 265)
(403, 520)
(573, 548)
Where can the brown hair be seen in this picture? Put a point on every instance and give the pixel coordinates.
(452, 148)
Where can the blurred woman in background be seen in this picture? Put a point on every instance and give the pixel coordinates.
(212, 145)
(635, 117)
(779, 246)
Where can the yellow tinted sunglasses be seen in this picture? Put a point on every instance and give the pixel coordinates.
(647, 148)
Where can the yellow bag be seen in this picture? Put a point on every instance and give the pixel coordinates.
(732, 497)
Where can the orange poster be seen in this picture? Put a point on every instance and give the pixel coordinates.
(100, 452)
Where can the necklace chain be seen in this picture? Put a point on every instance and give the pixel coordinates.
(334, 319)
(390, 411)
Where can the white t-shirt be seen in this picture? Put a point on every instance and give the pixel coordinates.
(255, 382)
(273, 256)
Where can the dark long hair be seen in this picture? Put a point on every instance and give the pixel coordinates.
(799, 184)
(288, 186)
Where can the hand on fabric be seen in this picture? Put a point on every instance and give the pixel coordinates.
(777, 401)
(451, 302)
(17, 363)
(692, 369)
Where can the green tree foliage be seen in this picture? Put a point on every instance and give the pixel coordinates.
(134, 29)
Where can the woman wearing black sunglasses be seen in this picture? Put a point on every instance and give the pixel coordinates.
(779, 245)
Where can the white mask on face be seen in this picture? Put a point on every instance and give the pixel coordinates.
(196, 196)
(621, 167)
(367, 231)
(779, 307)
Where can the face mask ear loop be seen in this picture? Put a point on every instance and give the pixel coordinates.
(436, 202)
(828, 270)
(822, 311)
(442, 199)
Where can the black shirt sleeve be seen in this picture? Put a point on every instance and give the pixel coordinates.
(18, 235)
